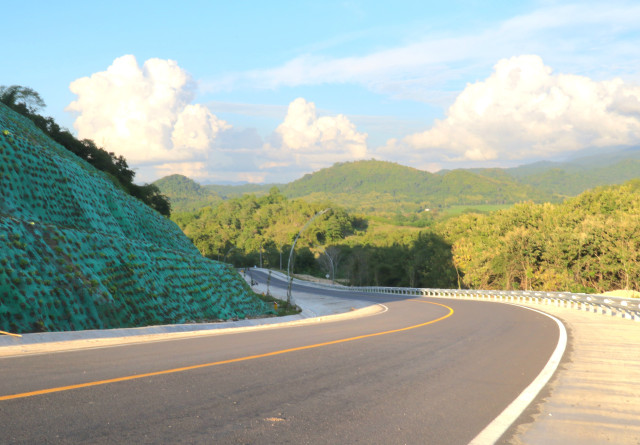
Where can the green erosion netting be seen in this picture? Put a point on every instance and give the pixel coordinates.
(77, 253)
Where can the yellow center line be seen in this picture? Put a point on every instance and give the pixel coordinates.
(223, 362)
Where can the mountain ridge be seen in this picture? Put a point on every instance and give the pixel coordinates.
(382, 186)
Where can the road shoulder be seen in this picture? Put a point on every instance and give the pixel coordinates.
(594, 398)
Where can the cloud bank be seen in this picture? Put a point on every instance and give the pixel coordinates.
(523, 110)
(145, 113)
(311, 142)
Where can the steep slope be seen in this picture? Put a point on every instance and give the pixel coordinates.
(78, 253)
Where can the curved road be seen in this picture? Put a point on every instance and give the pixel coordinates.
(423, 371)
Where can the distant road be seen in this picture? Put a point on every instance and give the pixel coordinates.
(426, 371)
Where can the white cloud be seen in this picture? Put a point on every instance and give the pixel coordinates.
(522, 109)
(144, 113)
(304, 139)
(196, 128)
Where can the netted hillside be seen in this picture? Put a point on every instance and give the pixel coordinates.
(76, 252)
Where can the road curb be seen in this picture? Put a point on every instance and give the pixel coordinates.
(31, 344)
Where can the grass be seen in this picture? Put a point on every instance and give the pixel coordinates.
(283, 308)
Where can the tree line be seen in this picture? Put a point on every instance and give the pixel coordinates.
(28, 102)
(590, 243)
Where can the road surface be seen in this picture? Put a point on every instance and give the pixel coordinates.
(421, 371)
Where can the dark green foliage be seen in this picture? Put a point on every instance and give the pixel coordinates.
(185, 194)
(385, 187)
(268, 224)
(590, 243)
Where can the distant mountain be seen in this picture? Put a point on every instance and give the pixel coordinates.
(581, 173)
(379, 186)
(382, 187)
(235, 191)
(185, 194)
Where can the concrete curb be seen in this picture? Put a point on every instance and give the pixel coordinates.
(315, 309)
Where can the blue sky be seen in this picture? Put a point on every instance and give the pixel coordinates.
(269, 91)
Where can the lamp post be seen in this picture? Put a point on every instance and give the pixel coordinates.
(322, 212)
(228, 251)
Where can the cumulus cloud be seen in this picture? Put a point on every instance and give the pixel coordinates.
(304, 139)
(145, 114)
(522, 109)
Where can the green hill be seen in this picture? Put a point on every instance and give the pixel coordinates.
(185, 194)
(582, 173)
(370, 187)
(378, 186)
(78, 253)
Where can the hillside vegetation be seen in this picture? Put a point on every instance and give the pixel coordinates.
(370, 187)
(400, 194)
(77, 252)
(185, 194)
(378, 186)
(590, 243)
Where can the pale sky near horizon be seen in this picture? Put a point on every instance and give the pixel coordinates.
(268, 91)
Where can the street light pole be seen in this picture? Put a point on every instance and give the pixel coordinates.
(322, 212)
(225, 255)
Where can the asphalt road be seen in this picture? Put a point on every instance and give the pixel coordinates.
(422, 372)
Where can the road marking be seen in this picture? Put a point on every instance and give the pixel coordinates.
(501, 424)
(223, 362)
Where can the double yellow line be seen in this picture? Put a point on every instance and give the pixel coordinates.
(223, 362)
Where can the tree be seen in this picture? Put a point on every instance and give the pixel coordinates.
(21, 99)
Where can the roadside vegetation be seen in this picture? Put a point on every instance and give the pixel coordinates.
(590, 243)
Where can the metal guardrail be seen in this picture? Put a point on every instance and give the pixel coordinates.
(628, 308)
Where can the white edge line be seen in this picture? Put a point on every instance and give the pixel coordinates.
(506, 418)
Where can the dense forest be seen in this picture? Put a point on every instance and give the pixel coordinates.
(28, 102)
(254, 230)
(385, 187)
(590, 243)
(373, 187)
